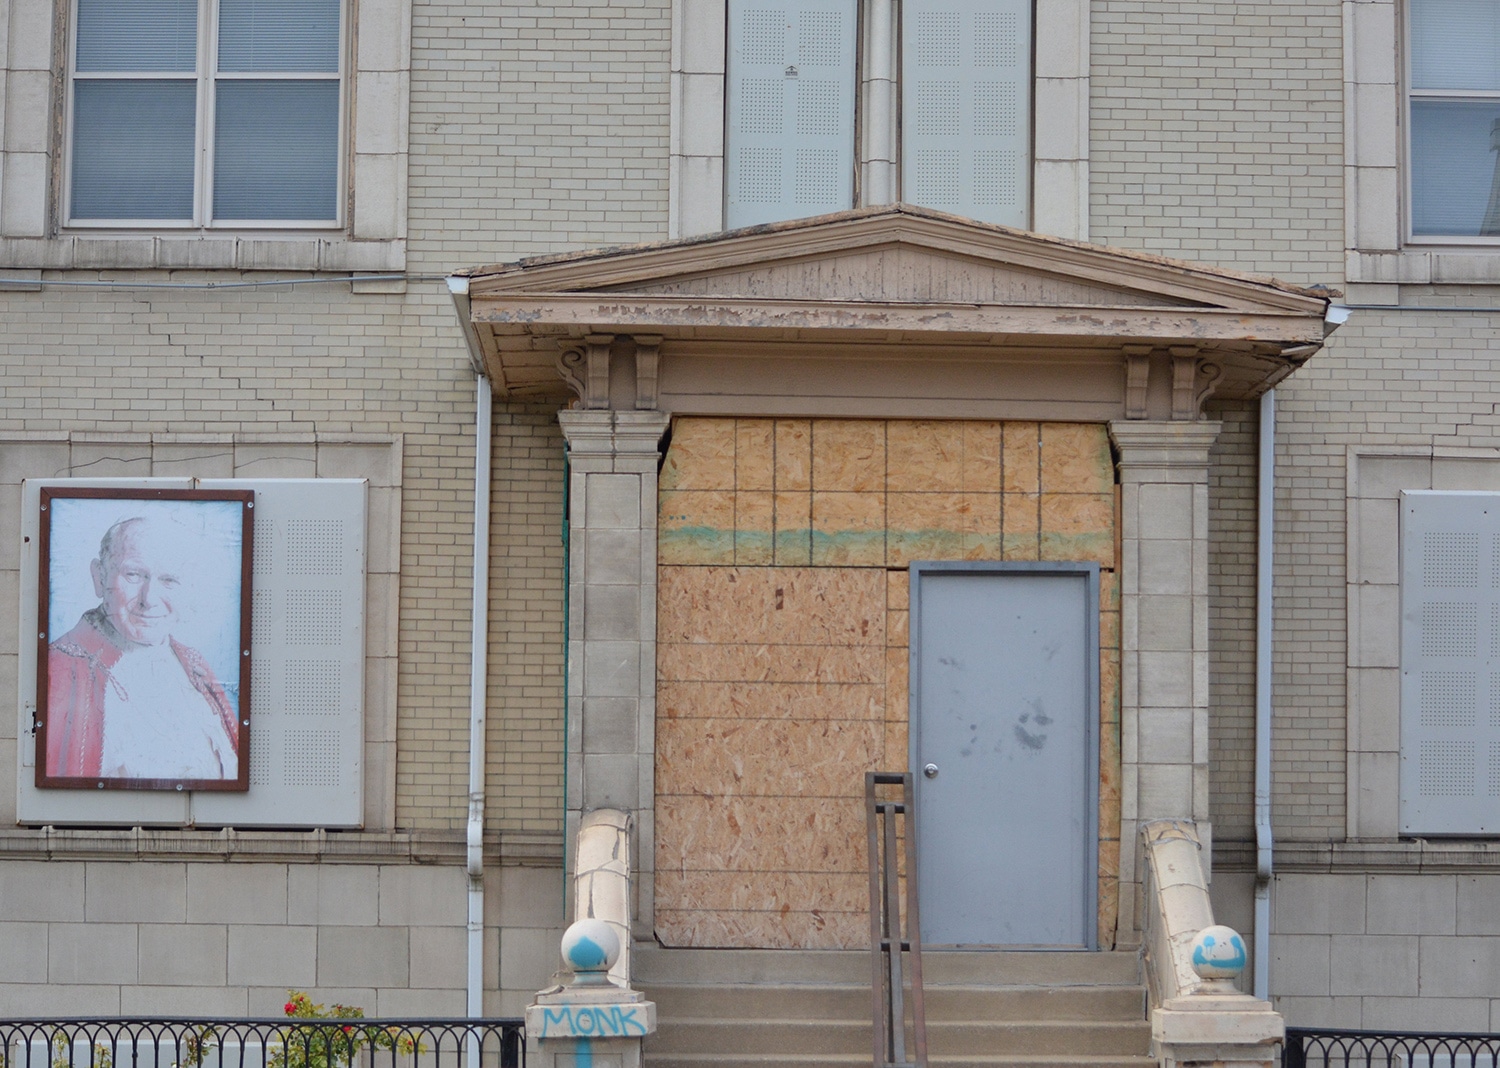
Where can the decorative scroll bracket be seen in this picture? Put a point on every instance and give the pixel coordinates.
(585, 368)
(647, 359)
(1137, 378)
(1194, 380)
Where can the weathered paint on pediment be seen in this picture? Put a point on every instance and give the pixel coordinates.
(903, 274)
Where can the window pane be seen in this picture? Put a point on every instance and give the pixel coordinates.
(133, 149)
(1453, 165)
(1455, 44)
(157, 35)
(279, 35)
(276, 150)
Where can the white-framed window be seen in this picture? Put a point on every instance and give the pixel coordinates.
(1450, 663)
(794, 110)
(1453, 132)
(205, 113)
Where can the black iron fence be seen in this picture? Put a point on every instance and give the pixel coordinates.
(270, 1043)
(1308, 1047)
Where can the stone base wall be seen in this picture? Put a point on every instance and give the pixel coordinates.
(143, 937)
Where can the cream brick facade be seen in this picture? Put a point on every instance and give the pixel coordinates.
(1252, 136)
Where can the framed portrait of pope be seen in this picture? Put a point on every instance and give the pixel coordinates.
(143, 657)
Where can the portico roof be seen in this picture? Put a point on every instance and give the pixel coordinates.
(928, 297)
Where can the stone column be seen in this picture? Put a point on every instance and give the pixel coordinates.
(613, 458)
(1164, 658)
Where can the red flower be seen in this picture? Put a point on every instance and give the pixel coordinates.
(289, 1008)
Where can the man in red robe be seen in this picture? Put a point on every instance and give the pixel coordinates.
(125, 699)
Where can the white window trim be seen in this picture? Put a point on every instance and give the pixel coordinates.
(1061, 99)
(1408, 93)
(1375, 480)
(1381, 255)
(373, 193)
(206, 78)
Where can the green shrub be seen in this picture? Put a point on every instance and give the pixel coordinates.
(327, 1047)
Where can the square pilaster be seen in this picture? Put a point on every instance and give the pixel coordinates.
(612, 459)
(1164, 659)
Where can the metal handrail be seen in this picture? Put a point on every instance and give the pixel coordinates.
(1319, 1047)
(279, 1042)
(887, 943)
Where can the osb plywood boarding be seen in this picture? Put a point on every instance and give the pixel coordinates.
(782, 644)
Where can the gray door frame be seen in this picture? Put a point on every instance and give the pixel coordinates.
(1090, 771)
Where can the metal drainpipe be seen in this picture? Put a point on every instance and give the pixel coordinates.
(458, 288)
(478, 676)
(1265, 546)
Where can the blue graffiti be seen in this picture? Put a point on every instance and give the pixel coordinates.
(612, 1021)
(1237, 961)
(587, 954)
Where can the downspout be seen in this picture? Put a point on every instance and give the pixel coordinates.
(1334, 316)
(1265, 553)
(478, 650)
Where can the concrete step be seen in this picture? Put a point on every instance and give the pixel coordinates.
(790, 1001)
(800, 1009)
(652, 964)
(959, 1038)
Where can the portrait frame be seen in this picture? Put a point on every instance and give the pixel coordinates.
(188, 651)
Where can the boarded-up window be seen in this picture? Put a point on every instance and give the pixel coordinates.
(966, 107)
(1450, 663)
(791, 80)
(307, 669)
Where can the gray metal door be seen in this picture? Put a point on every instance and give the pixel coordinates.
(1004, 713)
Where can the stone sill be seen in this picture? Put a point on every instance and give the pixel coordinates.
(245, 252)
(1423, 266)
(519, 848)
(1403, 856)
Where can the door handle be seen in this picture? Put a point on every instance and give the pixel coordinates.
(930, 771)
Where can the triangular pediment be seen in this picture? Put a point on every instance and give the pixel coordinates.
(896, 254)
(895, 282)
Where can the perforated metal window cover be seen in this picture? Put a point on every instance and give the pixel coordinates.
(790, 89)
(307, 638)
(1450, 663)
(966, 98)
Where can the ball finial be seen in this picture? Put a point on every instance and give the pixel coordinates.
(1219, 953)
(590, 948)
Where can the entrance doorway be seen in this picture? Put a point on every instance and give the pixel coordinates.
(1004, 746)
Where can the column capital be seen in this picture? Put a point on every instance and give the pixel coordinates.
(607, 433)
(1162, 451)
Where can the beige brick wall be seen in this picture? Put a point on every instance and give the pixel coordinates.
(526, 684)
(1231, 621)
(283, 364)
(1216, 133)
(1399, 379)
(536, 127)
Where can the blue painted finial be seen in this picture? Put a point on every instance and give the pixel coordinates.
(1219, 953)
(590, 948)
